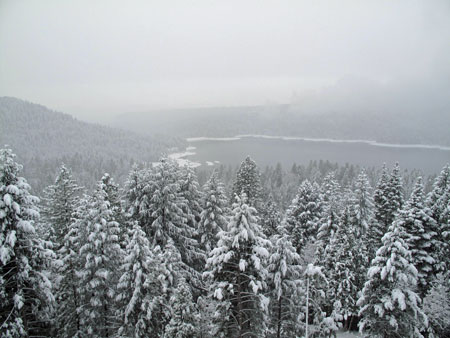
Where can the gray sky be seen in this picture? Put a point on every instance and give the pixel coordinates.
(94, 59)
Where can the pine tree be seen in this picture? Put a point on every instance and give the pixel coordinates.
(270, 217)
(364, 204)
(60, 203)
(303, 216)
(190, 191)
(237, 269)
(416, 219)
(165, 209)
(67, 321)
(98, 273)
(345, 263)
(284, 275)
(389, 304)
(388, 199)
(248, 182)
(26, 299)
(184, 315)
(438, 201)
(331, 208)
(436, 305)
(139, 292)
(213, 216)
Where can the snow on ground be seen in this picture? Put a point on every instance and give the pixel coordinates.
(180, 158)
(209, 163)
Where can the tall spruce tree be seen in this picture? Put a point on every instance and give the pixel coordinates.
(248, 182)
(237, 271)
(60, 202)
(143, 288)
(284, 275)
(26, 298)
(390, 307)
(303, 215)
(213, 217)
(416, 219)
(438, 201)
(100, 255)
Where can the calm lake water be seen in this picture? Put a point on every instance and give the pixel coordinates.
(266, 151)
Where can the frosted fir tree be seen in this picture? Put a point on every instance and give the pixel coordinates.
(304, 214)
(213, 217)
(331, 208)
(26, 296)
(395, 190)
(390, 307)
(100, 255)
(184, 316)
(139, 292)
(190, 191)
(137, 195)
(166, 217)
(363, 204)
(65, 267)
(436, 305)
(248, 182)
(284, 275)
(270, 217)
(60, 203)
(416, 219)
(237, 271)
(438, 201)
(388, 199)
(345, 263)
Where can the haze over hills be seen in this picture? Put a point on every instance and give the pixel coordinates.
(407, 127)
(43, 139)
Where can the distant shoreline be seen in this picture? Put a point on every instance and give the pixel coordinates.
(294, 138)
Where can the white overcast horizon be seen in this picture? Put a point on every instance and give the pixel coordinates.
(97, 59)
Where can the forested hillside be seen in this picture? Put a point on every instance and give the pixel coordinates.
(163, 257)
(43, 139)
(409, 127)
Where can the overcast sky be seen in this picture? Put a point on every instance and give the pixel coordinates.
(94, 59)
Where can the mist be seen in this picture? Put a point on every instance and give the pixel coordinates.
(98, 59)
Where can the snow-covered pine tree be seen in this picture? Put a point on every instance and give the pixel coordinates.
(100, 255)
(270, 217)
(303, 215)
(331, 208)
(284, 275)
(60, 202)
(166, 218)
(248, 181)
(364, 204)
(436, 305)
(388, 199)
(190, 191)
(137, 195)
(26, 299)
(390, 307)
(67, 291)
(416, 219)
(237, 271)
(59, 210)
(139, 292)
(184, 316)
(345, 263)
(438, 201)
(213, 217)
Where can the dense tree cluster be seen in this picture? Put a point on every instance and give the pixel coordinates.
(164, 258)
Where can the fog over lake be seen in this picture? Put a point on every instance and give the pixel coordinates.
(268, 151)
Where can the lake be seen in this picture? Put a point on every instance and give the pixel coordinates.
(269, 150)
